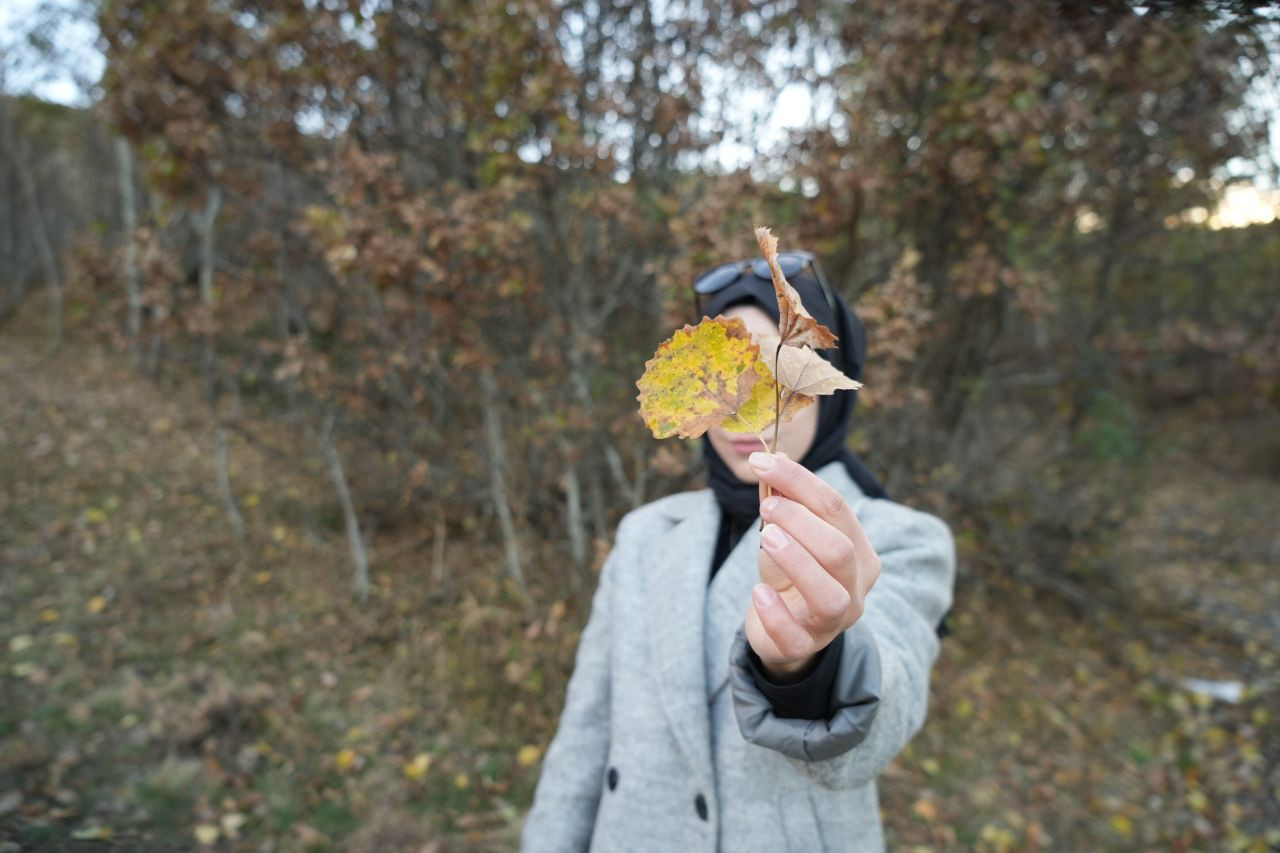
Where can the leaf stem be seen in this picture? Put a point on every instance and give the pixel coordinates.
(753, 430)
(777, 397)
(777, 413)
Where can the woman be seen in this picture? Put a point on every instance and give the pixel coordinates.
(754, 712)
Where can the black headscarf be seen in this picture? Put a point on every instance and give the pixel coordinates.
(740, 502)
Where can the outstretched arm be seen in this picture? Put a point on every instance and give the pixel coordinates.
(883, 580)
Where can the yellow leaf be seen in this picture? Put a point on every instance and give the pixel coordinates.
(49, 614)
(64, 638)
(134, 536)
(94, 515)
(207, 833)
(262, 578)
(461, 782)
(344, 760)
(97, 604)
(231, 824)
(1122, 825)
(309, 835)
(278, 533)
(925, 809)
(251, 500)
(756, 414)
(340, 256)
(20, 643)
(528, 755)
(997, 837)
(698, 377)
(417, 768)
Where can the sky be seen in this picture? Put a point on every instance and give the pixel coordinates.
(71, 80)
(64, 83)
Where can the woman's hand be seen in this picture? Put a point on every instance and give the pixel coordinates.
(815, 563)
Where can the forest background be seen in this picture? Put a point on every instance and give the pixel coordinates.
(319, 327)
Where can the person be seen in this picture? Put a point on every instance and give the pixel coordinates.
(740, 690)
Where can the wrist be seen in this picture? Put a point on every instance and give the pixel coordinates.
(789, 672)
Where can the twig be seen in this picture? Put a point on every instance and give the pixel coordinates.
(359, 556)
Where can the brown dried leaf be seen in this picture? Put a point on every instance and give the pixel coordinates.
(758, 413)
(795, 324)
(803, 370)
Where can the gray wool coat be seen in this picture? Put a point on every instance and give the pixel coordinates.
(665, 744)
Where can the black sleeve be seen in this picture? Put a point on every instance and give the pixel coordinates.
(807, 698)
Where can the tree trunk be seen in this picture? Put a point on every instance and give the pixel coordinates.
(129, 215)
(291, 318)
(11, 254)
(359, 556)
(39, 233)
(207, 262)
(207, 255)
(633, 491)
(497, 480)
(439, 570)
(595, 494)
(574, 521)
(224, 487)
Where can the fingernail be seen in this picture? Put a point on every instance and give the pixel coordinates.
(761, 461)
(770, 504)
(773, 537)
(765, 595)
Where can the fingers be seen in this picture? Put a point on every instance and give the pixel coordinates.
(802, 485)
(828, 546)
(828, 606)
(799, 484)
(791, 639)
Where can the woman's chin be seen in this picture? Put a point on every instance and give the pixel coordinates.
(733, 449)
(742, 470)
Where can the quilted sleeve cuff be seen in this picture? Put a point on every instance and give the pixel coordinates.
(806, 698)
(851, 705)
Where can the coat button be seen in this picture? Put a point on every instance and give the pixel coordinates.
(700, 803)
(613, 778)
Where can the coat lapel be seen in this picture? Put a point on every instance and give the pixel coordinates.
(675, 581)
(729, 595)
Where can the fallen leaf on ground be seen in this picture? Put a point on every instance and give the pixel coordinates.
(417, 768)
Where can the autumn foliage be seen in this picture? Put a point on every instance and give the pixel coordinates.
(415, 253)
(453, 233)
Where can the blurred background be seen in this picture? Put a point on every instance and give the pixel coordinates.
(319, 328)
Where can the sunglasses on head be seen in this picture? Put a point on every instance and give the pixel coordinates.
(791, 263)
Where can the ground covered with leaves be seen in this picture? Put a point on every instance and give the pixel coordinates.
(165, 683)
